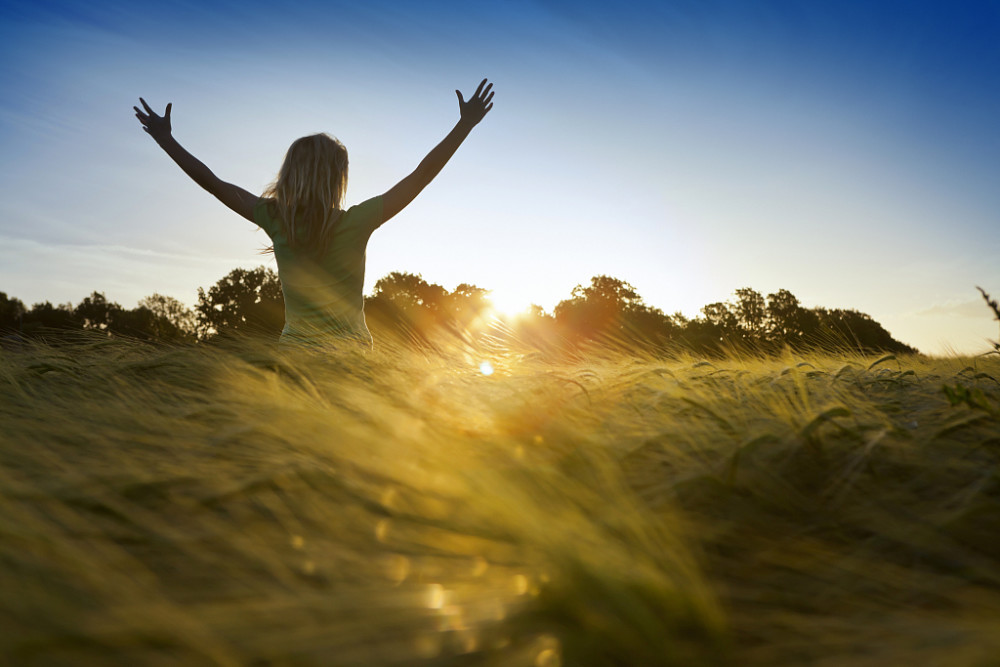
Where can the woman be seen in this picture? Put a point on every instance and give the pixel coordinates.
(320, 246)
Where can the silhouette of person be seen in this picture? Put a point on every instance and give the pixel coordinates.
(320, 246)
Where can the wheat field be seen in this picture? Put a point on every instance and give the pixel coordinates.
(248, 505)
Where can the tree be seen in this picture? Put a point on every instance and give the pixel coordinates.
(166, 321)
(11, 313)
(611, 310)
(465, 306)
(245, 301)
(408, 305)
(609, 290)
(139, 322)
(717, 328)
(721, 316)
(650, 325)
(751, 312)
(849, 329)
(44, 316)
(535, 328)
(96, 313)
(170, 319)
(788, 322)
(596, 311)
(410, 292)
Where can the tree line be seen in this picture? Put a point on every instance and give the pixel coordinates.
(404, 306)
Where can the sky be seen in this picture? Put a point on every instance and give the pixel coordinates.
(845, 151)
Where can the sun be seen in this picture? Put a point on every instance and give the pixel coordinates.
(508, 303)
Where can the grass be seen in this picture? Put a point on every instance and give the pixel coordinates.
(247, 505)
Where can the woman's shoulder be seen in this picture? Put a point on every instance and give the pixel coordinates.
(265, 214)
(268, 204)
(366, 214)
(367, 204)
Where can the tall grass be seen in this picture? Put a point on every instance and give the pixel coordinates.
(249, 505)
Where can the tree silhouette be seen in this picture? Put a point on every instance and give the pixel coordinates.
(751, 313)
(96, 313)
(716, 330)
(245, 301)
(721, 316)
(11, 313)
(44, 317)
(536, 329)
(610, 310)
(139, 322)
(156, 317)
(596, 310)
(849, 329)
(407, 305)
(789, 323)
(466, 308)
(752, 325)
(171, 319)
(409, 292)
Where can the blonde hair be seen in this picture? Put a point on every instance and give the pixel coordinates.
(309, 191)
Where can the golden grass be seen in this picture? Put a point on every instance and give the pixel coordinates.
(248, 505)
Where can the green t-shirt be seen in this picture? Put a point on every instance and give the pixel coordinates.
(323, 296)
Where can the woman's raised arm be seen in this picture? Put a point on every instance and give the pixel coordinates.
(158, 127)
(471, 112)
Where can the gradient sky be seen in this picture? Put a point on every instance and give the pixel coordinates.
(845, 151)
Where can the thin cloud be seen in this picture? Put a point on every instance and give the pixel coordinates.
(124, 273)
(14, 248)
(971, 309)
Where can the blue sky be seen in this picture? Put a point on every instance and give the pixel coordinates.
(844, 151)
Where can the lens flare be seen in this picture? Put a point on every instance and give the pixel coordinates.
(435, 596)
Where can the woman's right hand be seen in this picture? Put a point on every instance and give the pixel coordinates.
(478, 105)
(155, 126)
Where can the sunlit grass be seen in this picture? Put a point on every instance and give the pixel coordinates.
(246, 504)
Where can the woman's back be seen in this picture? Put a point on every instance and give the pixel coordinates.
(323, 293)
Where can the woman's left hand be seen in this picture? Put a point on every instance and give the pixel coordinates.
(155, 126)
(478, 105)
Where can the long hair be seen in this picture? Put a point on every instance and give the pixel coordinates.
(308, 193)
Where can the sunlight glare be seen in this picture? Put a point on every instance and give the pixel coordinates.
(398, 568)
(507, 303)
(454, 618)
(486, 368)
(428, 645)
(549, 654)
(435, 596)
(382, 530)
(548, 658)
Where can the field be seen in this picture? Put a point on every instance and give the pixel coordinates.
(246, 505)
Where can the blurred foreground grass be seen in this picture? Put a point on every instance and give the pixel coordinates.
(249, 505)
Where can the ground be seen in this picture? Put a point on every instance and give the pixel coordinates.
(246, 505)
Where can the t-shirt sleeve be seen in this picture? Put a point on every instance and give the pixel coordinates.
(263, 218)
(369, 213)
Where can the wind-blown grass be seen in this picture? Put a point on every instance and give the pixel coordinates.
(247, 505)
